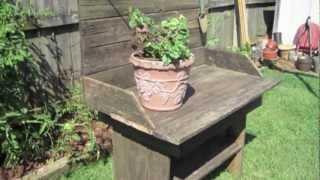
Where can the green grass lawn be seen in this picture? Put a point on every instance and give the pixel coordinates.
(283, 136)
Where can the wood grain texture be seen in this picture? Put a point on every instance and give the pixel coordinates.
(116, 102)
(226, 3)
(213, 100)
(105, 57)
(96, 59)
(169, 5)
(242, 21)
(220, 28)
(134, 161)
(232, 61)
(111, 30)
(64, 12)
(209, 100)
(103, 8)
(59, 53)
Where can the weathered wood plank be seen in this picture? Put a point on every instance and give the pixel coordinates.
(227, 3)
(195, 38)
(52, 171)
(221, 25)
(232, 61)
(118, 103)
(238, 131)
(105, 57)
(134, 161)
(75, 50)
(199, 56)
(211, 99)
(242, 21)
(114, 8)
(214, 162)
(64, 12)
(169, 5)
(121, 76)
(101, 58)
(111, 30)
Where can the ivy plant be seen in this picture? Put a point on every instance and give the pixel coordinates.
(166, 41)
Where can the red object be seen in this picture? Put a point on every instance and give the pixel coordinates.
(272, 44)
(270, 54)
(301, 39)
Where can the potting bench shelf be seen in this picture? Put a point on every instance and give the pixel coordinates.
(207, 131)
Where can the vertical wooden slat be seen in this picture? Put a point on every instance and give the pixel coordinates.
(242, 19)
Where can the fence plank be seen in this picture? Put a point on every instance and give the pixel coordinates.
(64, 12)
(111, 30)
(104, 9)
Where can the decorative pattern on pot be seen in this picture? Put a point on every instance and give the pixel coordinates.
(169, 91)
(161, 87)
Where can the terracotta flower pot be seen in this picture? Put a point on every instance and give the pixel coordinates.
(270, 54)
(161, 87)
(272, 45)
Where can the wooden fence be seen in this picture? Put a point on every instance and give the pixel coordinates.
(55, 41)
(102, 30)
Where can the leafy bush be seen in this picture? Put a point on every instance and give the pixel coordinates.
(75, 127)
(31, 131)
(13, 45)
(25, 136)
(25, 131)
(167, 41)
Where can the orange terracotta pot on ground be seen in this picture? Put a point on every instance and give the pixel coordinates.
(161, 87)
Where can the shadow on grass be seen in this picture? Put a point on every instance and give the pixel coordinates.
(299, 76)
(307, 85)
(216, 173)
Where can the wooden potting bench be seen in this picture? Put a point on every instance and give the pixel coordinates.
(190, 142)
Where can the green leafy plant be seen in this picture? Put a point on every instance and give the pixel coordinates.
(25, 130)
(13, 44)
(25, 135)
(76, 127)
(167, 41)
(138, 19)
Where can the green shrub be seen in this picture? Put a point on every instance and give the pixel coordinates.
(31, 131)
(167, 41)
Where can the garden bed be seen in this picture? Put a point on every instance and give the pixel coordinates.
(53, 168)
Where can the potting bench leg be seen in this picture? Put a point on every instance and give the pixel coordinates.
(238, 131)
(133, 161)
